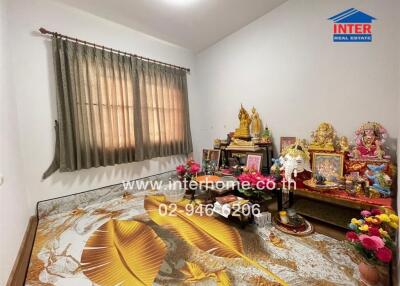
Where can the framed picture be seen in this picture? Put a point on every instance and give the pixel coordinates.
(212, 156)
(254, 162)
(329, 165)
(286, 141)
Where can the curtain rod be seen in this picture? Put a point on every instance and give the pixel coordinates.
(55, 34)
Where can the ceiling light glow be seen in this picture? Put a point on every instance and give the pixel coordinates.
(180, 2)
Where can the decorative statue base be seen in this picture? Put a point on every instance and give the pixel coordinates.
(239, 144)
(325, 148)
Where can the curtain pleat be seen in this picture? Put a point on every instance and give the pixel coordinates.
(115, 109)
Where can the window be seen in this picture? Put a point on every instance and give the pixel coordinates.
(116, 109)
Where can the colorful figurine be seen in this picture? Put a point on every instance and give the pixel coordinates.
(275, 169)
(245, 120)
(319, 179)
(369, 140)
(323, 137)
(266, 136)
(381, 181)
(295, 159)
(344, 144)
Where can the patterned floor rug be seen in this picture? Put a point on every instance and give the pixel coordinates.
(129, 241)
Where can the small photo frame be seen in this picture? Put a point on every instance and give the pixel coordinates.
(253, 162)
(286, 142)
(329, 165)
(211, 155)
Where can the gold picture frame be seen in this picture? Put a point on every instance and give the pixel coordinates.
(329, 165)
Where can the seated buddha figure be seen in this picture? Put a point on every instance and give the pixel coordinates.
(243, 131)
(369, 140)
(322, 138)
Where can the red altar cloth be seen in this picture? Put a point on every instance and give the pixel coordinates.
(342, 195)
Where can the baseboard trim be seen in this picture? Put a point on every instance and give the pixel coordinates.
(18, 273)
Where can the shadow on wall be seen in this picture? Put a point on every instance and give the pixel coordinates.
(391, 148)
(116, 173)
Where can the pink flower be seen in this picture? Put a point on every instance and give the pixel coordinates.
(384, 254)
(181, 170)
(374, 231)
(366, 213)
(194, 168)
(255, 180)
(352, 236)
(379, 242)
(371, 242)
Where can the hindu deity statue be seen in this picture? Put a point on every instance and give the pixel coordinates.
(295, 159)
(344, 144)
(245, 120)
(255, 123)
(323, 137)
(369, 139)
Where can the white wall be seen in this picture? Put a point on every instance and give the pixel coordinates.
(33, 89)
(286, 65)
(13, 203)
(398, 143)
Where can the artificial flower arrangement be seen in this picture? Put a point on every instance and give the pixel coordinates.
(188, 170)
(253, 184)
(372, 235)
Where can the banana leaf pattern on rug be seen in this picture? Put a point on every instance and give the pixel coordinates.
(125, 241)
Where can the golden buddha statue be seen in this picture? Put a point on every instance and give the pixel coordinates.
(255, 123)
(323, 137)
(245, 120)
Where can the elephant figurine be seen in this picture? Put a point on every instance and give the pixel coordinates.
(292, 165)
(381, 181)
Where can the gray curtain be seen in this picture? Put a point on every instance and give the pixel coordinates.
(115, 109)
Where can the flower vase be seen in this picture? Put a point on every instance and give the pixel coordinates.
(369, 273)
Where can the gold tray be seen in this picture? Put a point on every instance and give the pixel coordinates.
(308, 230)
(207, 179)
(327, 186)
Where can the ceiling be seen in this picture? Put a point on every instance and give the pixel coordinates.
(193, 24)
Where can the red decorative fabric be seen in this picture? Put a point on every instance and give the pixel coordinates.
(340, 194)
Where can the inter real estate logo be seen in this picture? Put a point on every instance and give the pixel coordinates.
(352, 25)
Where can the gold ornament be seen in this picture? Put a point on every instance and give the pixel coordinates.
(344, 144)
(297, 149)
(194, 273)
(323, 137)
